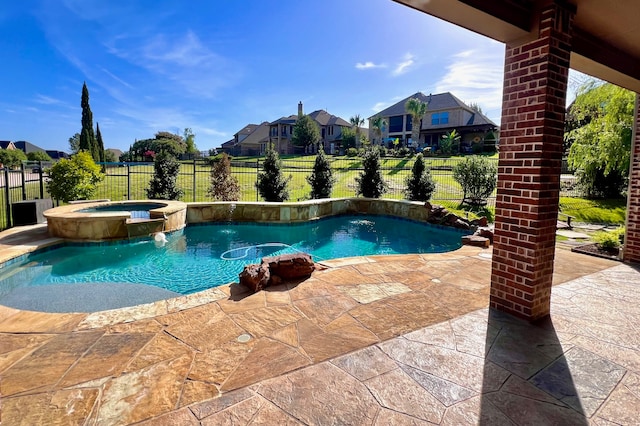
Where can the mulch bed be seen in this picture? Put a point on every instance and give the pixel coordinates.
(595, 250)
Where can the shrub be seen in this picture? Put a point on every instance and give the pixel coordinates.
(420, 185)
(382, 151)
(271, 185)
(75, 178)
(403, 152)
(163, 185)
(370, 182)
(12, 158)
(224, 186)
(609, 240)
(478, 177)
(38, 156)
(352, 152)
(321, 178)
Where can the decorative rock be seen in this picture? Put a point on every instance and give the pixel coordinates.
(461, 224)
(486, 232)
(476, 241)
(290, 266)
(255, 277)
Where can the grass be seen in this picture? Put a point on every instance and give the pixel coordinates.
(119, 186)
(610, 212)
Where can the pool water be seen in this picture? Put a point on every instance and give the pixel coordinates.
(201, 257)
(137, 210)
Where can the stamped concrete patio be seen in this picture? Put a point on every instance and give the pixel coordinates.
(366, 341)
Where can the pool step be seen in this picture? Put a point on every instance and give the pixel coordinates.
(138, 227)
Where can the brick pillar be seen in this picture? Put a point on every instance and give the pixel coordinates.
(632, 238)
(532, 128)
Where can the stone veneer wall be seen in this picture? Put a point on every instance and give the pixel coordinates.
(302, 211)
(533, 109)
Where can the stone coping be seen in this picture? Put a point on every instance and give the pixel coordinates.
(202, 212)
(71, 223)
(74, 210)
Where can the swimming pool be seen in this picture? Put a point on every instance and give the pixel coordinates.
(205, 256)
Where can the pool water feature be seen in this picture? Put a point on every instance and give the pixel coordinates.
(137, 211)
(204, 256)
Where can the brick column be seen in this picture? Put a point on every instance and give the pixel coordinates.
(632, 237)
(532, 128)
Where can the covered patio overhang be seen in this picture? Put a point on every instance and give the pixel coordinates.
(544, 38)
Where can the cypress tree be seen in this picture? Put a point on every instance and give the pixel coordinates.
(100, 143)
(87, 137)
(321, 178)
(271, 184)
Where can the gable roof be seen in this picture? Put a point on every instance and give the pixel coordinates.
(27, 147)
(259, 134)
(323, 118)
(247, 130)
(286, 120)
(437, 102)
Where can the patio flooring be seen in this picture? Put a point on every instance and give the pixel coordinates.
(367, 341)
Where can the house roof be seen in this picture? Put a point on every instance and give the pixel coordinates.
(247, 130)
(6, 145)
(259, 134)
(323, 118)
(286, 120)
(437, 102)
(24, 146)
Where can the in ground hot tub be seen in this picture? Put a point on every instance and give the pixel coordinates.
(99, 221)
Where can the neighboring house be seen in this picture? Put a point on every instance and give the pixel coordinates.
(7, 145)
(116, 152)
(56, 155)
(330, 126)
(444, 113)
(27, 147)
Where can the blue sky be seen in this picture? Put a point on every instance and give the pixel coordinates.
(215, 66)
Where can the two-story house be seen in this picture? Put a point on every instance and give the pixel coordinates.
(444, 113)
(251, 140)
(329, 125)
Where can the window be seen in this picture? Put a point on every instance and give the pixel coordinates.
(395, 124)
(409, 122)
(438, 118)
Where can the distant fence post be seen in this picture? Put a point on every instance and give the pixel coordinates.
(257, 173)
(41, 180)
(194, 180)
(128, 182)
(7, 196)
(24, 183)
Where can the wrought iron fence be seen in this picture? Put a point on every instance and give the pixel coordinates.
(129, 181)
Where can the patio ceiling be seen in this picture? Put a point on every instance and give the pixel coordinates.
(606, 34)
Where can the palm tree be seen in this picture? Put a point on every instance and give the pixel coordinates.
(357, 121)
(417, 109)
(378, 124)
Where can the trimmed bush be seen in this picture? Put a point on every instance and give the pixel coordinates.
(370, 182)
(321, 178)
(75, 178)
(224, 186)
(420, 185)
(271, 185)
(478, 178)
(164, 184)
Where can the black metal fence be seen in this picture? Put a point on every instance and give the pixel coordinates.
(129, 181)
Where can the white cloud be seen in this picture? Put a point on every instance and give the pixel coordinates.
(476, 76)
(368, 65)
(47, 100)
(403, 66)
(379, 106)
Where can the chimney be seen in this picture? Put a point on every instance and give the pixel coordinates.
(300, 113)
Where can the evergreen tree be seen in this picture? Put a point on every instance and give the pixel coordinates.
(163, 185)
(370, 183)
(305, 132)
(420, 185)
(321, 178)
(271, 185)
(224, 186)
(100, 143)
(87, 137)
